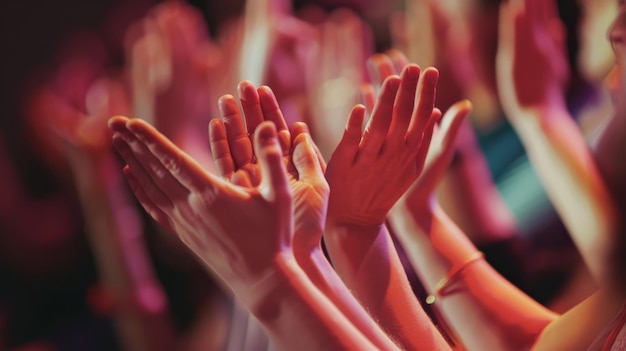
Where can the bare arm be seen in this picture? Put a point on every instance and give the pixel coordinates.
(254, 256)
(234, 157)
(554, 143)
(367, 173)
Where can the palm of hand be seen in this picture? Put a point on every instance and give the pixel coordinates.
(532, 67)
(386, 178)
(170, 68)
(309, 201)
(237, 231)
(205, 223)
(370, 171)
(232, 151)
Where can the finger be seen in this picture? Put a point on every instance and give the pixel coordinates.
(144, 199)
(377, 127)
(272, 112)
(399, 60)
(142, 162)
(404, 103)
(379, 67)
(424, 105)
(443, 152)
(300, 128)
(157, 198)
(451, 123)
(348, 146)
(241, 178)
(250, 104)
(424, 145)
(117, 122)
(238, 140)
(305, 159)
(274, 182)
(367, 95)
(176, 162)
(220, 149)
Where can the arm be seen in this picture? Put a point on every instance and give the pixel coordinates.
(174, 68)
(233, 154)
(483, 309)
(535, 105)
(367, 174)
(495, 314)
(113, 226)
(467, 193)
(335, 74)
(253, 256)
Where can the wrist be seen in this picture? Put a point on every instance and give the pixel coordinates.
(553, 108)
(419, 208)
(351, 225)
(263, 296)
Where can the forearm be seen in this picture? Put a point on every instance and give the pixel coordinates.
(579, 327)
(469, 196)
(324, 277)
(561, 158)
(366, 260)
(296, 315)
(483, 309)
(114, 231)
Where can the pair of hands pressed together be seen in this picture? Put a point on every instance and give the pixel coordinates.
(242, 224)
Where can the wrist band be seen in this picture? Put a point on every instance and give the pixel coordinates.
(451, 277)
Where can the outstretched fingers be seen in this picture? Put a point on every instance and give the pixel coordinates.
(404, 103)
(162, 187)
(271, 112)
(443, 145)
(220, 149)
(400, 61)
(176, 162)
(376, 131)
(238, 140)
(306, 157)
(424, 105)
(251, 105)
(380, 67)
(425, 140)
(300, 128)
(274, 184)
(145, 199)
(348, 147)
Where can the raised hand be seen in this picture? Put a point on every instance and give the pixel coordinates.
(369, 171)
(443, 143)
(235, 160)
(243, 233)
(174, 68)
(531, 65)
(335, 75)
(237, 231)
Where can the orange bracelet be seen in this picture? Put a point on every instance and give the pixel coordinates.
(452, 275)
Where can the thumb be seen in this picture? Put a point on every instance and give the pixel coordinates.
(444, 150)
(305, 159)
(274, 182)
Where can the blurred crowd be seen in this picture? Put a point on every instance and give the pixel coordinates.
(496, 223)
